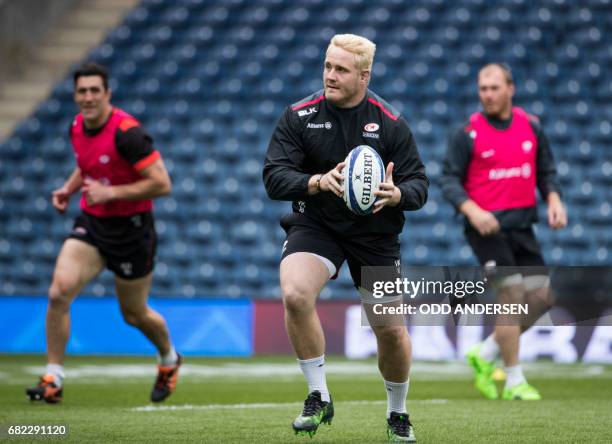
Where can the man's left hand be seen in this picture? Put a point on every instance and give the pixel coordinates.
(557, 216)
(96, 192)
(388, 194)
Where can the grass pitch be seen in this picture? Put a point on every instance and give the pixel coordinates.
(254, 400)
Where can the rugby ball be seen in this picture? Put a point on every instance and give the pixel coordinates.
(363, 172)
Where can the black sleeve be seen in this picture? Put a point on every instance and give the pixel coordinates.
(454, 167)
(134, 144)
(408, 170)
(283, 176)
(546, 172)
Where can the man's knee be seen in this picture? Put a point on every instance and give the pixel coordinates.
(62, 291)
(391, 334)
(135, 318)
(298, 298)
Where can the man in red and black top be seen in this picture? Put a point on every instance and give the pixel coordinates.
(492, 168)
(118, 173)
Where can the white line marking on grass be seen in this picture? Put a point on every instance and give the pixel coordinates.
(172, 408)
(423, 371)
(266, 405)
(255, 370)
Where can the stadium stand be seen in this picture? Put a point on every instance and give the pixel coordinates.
(208, 79)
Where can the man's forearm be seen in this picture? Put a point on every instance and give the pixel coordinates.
(468, 208)
(314, 184)
(283, 183)
(74, 182)
(553, 197)
(413, 193)
(141, 190)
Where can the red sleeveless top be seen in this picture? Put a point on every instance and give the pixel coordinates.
(98, 159)
(502, 172)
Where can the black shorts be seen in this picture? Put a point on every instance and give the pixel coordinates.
(127, 244)
(509, 248)
(373, 250)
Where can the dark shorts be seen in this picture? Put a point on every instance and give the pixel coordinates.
(373, 250)
(510, 248)
(127, 244)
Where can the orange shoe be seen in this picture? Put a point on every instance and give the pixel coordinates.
(166, 380)
(46, 390)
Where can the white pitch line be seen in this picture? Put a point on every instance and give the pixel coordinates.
(172, 408)
(244, 369)
(264, 405)
(423, 371)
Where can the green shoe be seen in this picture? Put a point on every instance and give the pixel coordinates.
(521, 392)
(399, 428)
(483, 373)
(315, 412)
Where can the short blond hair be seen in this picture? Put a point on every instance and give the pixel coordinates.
(362, 48)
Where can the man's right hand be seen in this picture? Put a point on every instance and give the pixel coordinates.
(60, 199)
(484, 222)
(332, 180)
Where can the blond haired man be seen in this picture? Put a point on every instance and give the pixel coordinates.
(304, 164)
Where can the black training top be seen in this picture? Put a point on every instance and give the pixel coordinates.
(313, 136)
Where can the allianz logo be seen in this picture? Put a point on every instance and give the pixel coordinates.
(523, 171)
(326, 125)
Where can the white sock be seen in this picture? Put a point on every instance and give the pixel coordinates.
(169, 358)
(396, 396)
(514, 376)
(314, 371)
(57, 371)
(489, 350)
